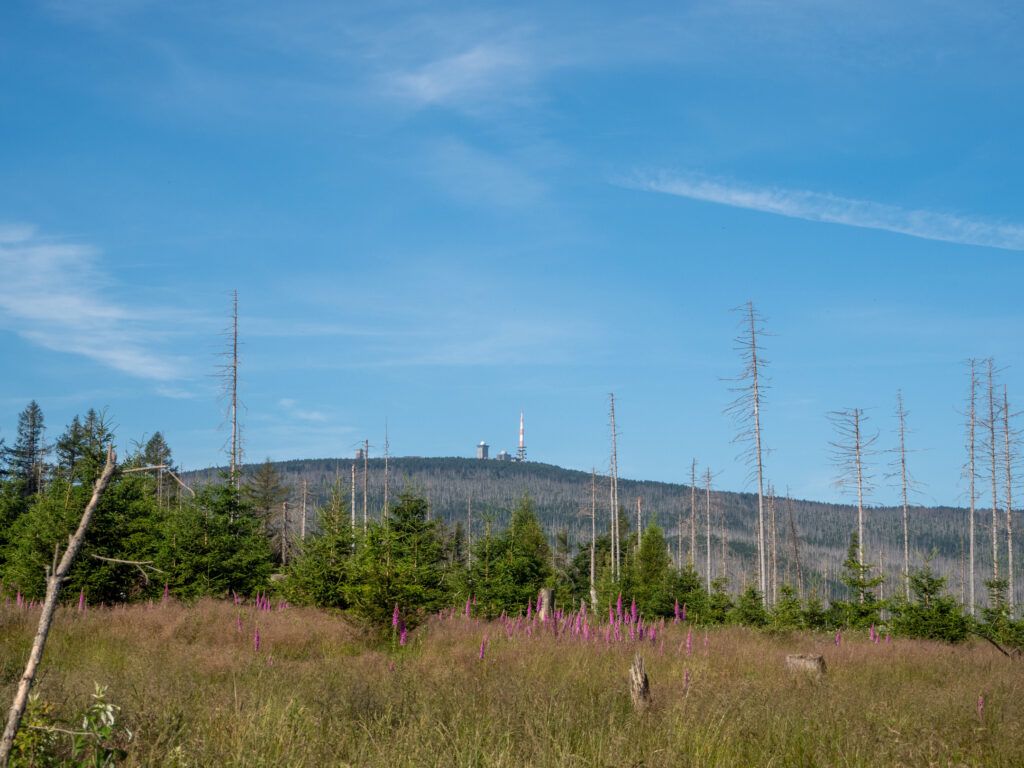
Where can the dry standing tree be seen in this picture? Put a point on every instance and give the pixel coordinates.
(906, 485)
(1009, 459)
(746, 410)
(971, 470)
(614, 490)
(849, 451)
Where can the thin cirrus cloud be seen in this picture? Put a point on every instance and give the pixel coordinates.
(52, 296)
(833, 209)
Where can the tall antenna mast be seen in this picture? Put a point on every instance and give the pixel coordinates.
(521, 452)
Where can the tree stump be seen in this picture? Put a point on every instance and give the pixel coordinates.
(639, 685)
(806, 663)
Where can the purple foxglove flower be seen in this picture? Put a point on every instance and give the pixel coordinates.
(483, 647)
(395, 617)
(81, 600)
(403, 636)
(633, 612)
(256, 640)
(839, 637)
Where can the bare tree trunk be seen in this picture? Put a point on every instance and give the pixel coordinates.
(352, 505)
(234, 391)
(302, 526)
(366, 476)
(796, 546)
(707, 513)
(54, 581)
(593, 539)
(284, 533)
(639, 523)
(387, 448)
(994, 472)
(901, 415)
(1008, 456)
(860, 487)
(972, 420)
(693, 513)
(614, 502)
(774, 550)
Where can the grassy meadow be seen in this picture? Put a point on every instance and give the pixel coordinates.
(195, 691)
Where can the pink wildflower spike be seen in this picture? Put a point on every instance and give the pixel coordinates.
(981, 707)
(468, 608)
(19, 600)
(675, 610)
(839, 638)
(689, 640)
(395, 617)
(888, 638)
(529, 610)
(684, 611)
(633, 612)
(256, 640)
(81, 600)
(483, 647)
(403, 636)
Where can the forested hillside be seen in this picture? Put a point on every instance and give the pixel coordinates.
(562, 498)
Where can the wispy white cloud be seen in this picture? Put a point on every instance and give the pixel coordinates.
(53, 294)
(478, 177)
(833, 209)
(485, 71)
(292, 409)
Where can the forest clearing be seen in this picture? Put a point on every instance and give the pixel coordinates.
(195, 689)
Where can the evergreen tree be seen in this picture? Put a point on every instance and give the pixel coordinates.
(749, 608)
(213, 545)
(510, 569)
(319, 575)
(267, 495)
(931, 613)
(82, 449)
(26, 459)
(863, 608)
(648, 574)
(787, 613)
(400, 562)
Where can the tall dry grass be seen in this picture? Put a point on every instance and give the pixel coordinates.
(318, 692)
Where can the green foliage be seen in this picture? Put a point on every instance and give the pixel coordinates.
(26, 459)
(320, 574)
(648, 575)
(999, 624)
(509, 569)
(930, 614)
(749, 609)
(266, 495)
(214, 545)
(95, 741)
(863, 608)
(787, 614)
(400, 561)
(719, 603)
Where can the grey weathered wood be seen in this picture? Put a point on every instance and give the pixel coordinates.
(547, 599)
(806, 663)
(53, 584)
(639, 685)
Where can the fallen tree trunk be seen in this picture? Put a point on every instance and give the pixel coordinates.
(53, 584)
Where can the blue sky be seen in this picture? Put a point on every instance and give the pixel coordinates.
(436, 215)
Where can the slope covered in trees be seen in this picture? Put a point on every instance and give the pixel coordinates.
(561, 498)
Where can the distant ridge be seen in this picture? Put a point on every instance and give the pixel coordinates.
(562, 500)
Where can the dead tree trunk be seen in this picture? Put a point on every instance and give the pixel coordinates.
(54, 580)
(1008, 457)
(614, 489)
(991, 424)
(693, 513)
(901, 415)
(971, 474)
(639, 685)
(796, 546)
(707, 512)
(593, 539)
